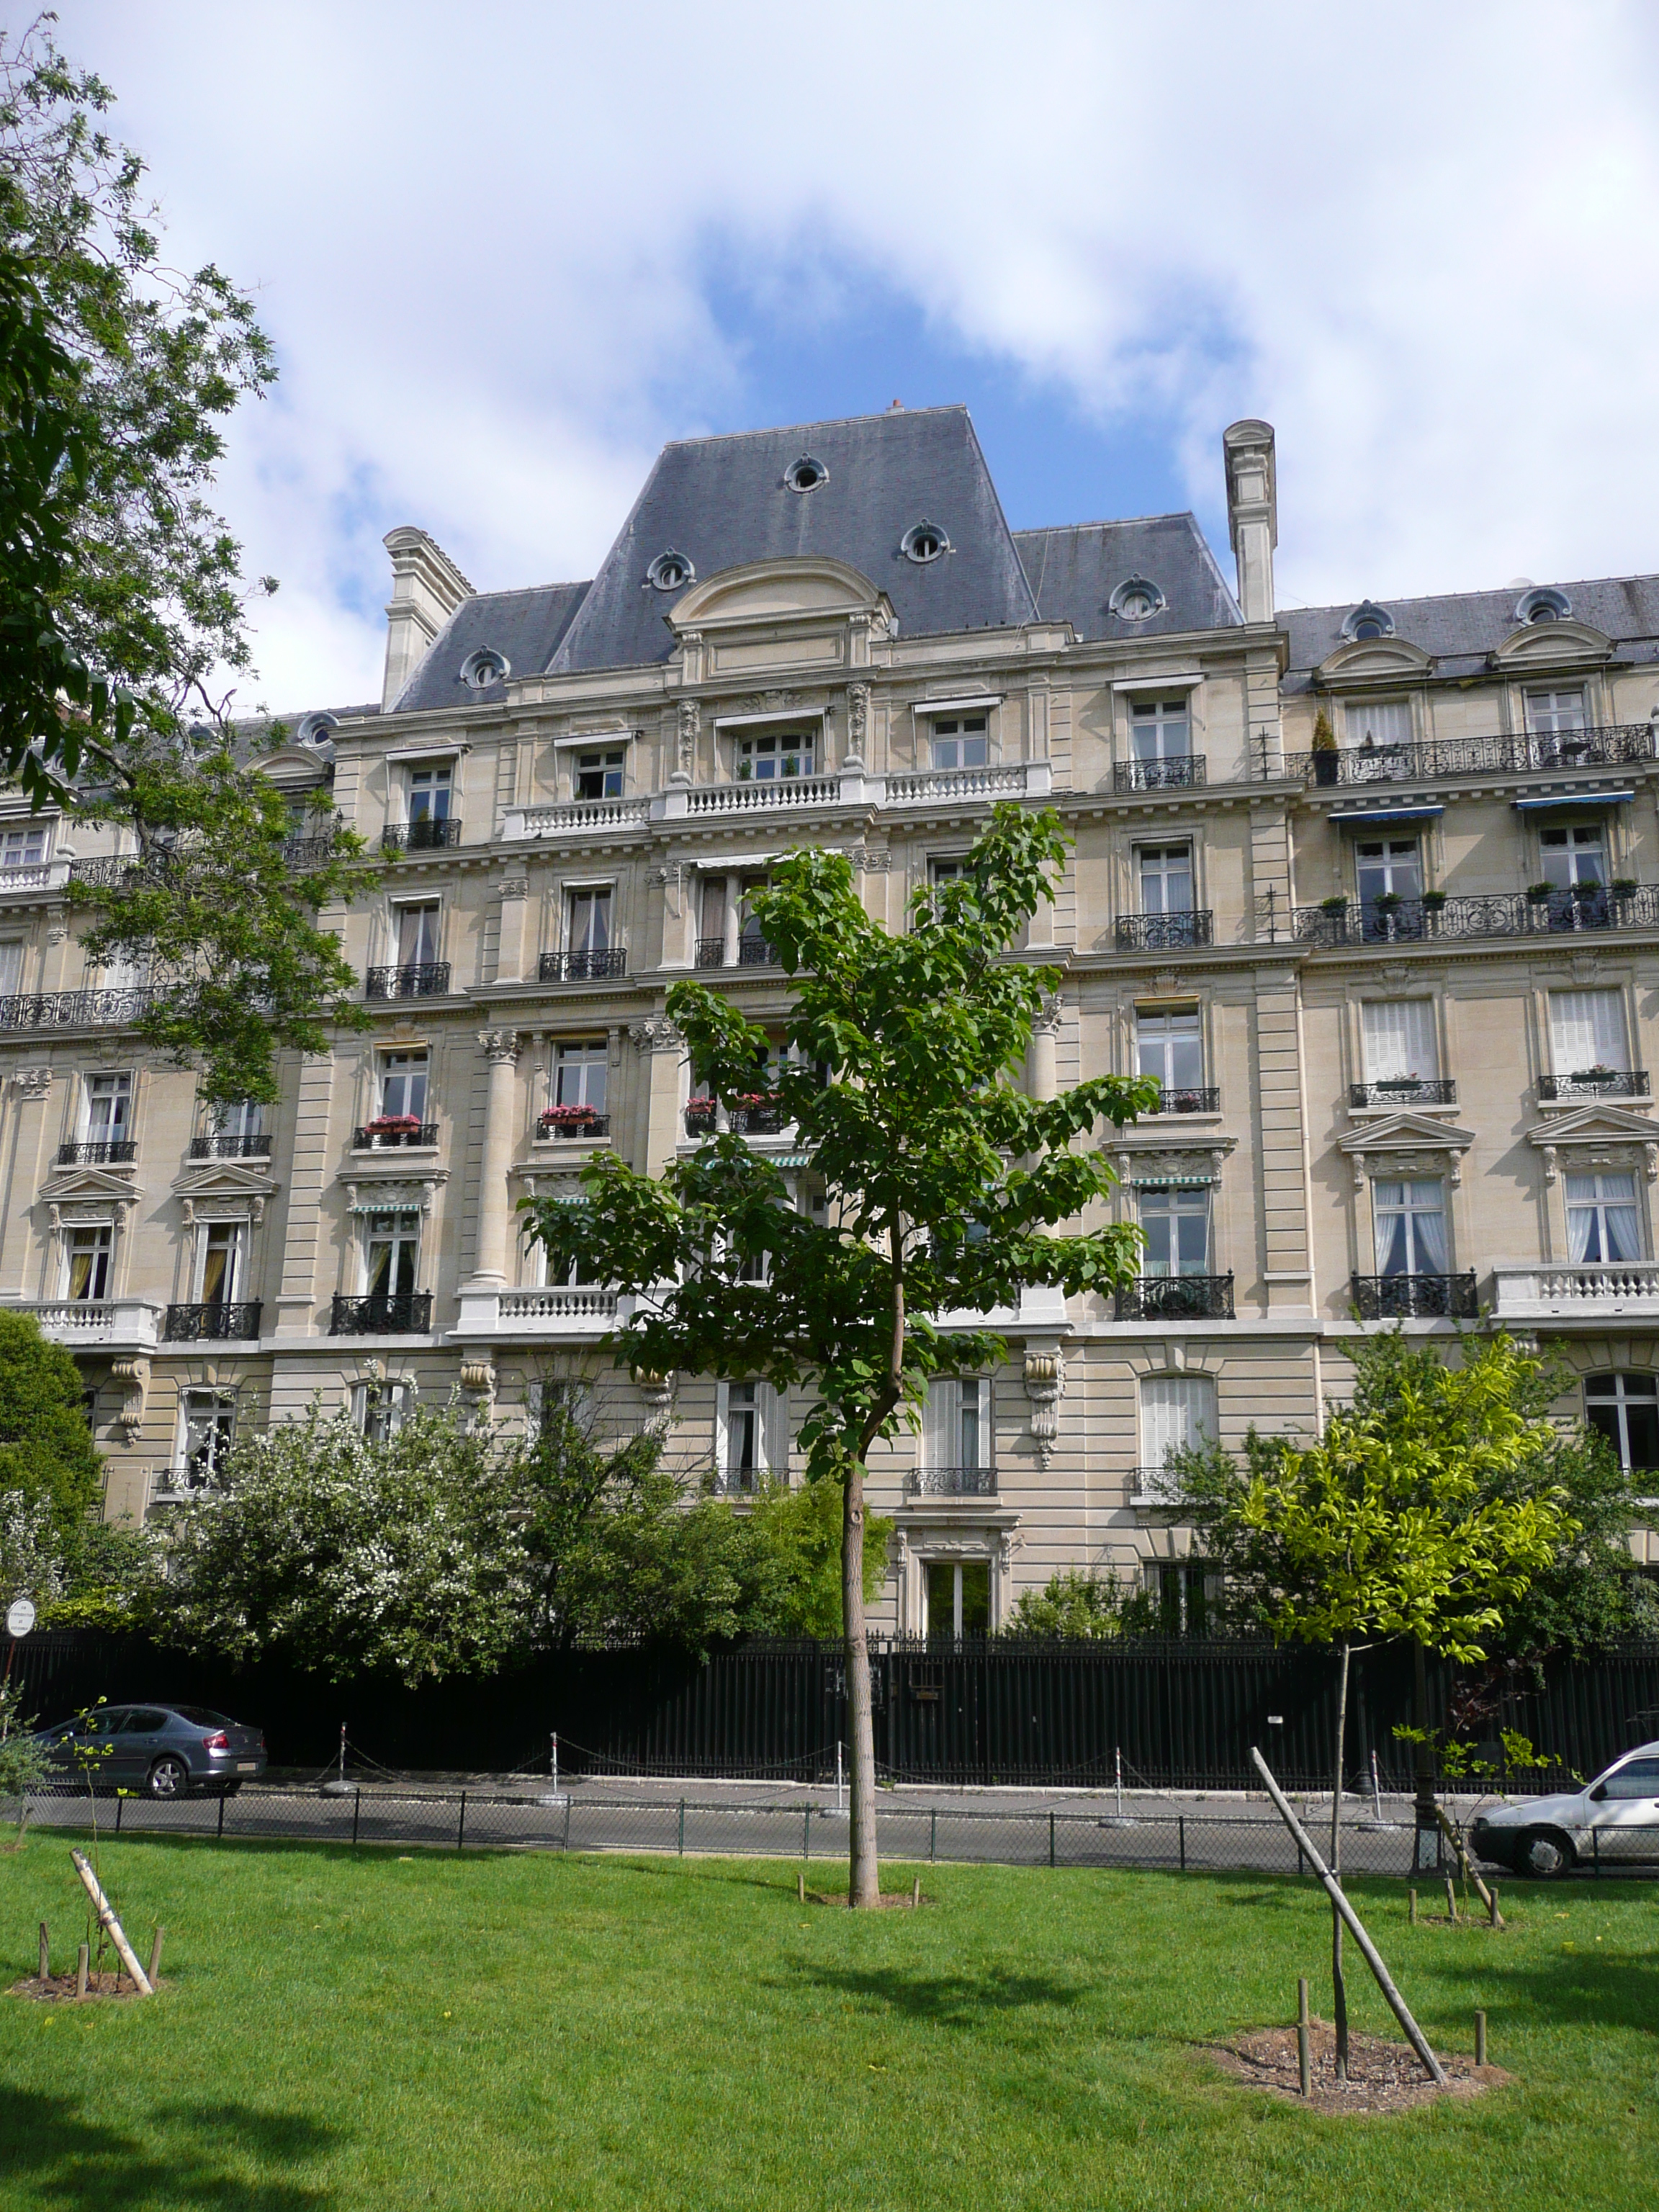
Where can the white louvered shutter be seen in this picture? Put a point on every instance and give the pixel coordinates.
(1400, 1039)
(939, 1422)
(775, 1430)
(1586, 1030)
(1175, 1410)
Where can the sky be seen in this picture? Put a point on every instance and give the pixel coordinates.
(505, 251)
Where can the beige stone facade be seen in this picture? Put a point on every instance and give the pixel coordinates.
(1429, 1100)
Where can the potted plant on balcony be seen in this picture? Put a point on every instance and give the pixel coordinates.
(1601, 1073)
(1387, 900)
(1325, 755)
(762, 1108)
(1433, 900)
(565, 1120)
(1540, 894)
(1337, 905)
(699, 1114)
(1587, 891)
(1624, 887)
(394, 1129)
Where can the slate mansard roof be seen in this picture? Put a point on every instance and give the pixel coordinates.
(1074, 570)
(525, 627)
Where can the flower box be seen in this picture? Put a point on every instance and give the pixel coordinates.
(568, 1117)
(1334, 906)
(1626, 886)
(1540, 894)
(1434, 900)
(1597, 1074)
(394, 1125)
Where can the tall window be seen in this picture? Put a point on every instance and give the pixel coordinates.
(1166, 878)
(207, 1429)
(1410, 1227)
(599, 774)
(1587, 1031)
(589, 922)
(579, 1073)
(402, 1084)
(380, 1409)
(751, 941)
(1177, 1411)
(1602, 1221)
(1386, 864)
(1176, 1222)
(1168, 1047)
(1555, 713)
(109, 1109)
(242, 1118)
(1578, 854)
(1374, 726)
(430, 791)
(958, 1597)
(221, 1262)
(1625, 1408)
(961, 741)
(23, 846)
(87, 1252)
(767, 760)
(418, 934)
(957, 1423)
(1160, 729)
(11, 966)
(751, 1442)
(1400, 1041)
(392, 1253)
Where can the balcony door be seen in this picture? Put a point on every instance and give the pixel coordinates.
(1556, 720)
(207, 1431)
(1624, 1409)
(1410, 1227)
(1170, 1047)
(418, 934)
(430, 792)
(1177, 1413)
(1587, 1033)
(219, 1263)
(961, 741)
(1604, 1226)
(775, 759)
(1400, 1046)
(751, 1440)
(599, 774)
(1160, 730)
(392, 1253)
(590, 921)
(957, 1425)
(88, 1250)
(109, 1109)
(1166, 878)
(403, 1086)
(956, 1594)
(580, 1074)
(1176, 1222)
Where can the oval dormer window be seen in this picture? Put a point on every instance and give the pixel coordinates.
(1136, 599)
(1366, 621)
(924, 542)
(316, 729)
(806, 474)
(481, 669)
(671, 572)
(1544, 605)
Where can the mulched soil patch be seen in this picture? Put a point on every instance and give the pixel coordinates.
(892, 1900)
(1382, 2077)
(56, 1987)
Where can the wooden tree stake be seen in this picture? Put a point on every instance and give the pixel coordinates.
(1411, 1911)
(82, 1961)
(155, 1967)
(1451, 1902)
(45, 1952)
(108, 1920)
(915, 1892)
(1480, 2039)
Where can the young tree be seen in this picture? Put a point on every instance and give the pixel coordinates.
(47, 1450)
(941, 1179)
(1400, 1521)
(1084, 1607)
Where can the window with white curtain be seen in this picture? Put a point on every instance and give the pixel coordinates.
(1410, 1227)
(11, 966)
(957, 1422)
(1372, 725)
(1176, 1412)
(1602, 1221)
(1169, 1046)
(1587, 1030)
(1174, 1219)
(1399, 1040)
(751, 1440)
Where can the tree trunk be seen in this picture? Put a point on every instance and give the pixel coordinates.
(1424, 1820)
(1340, 1988)
(863, 1869)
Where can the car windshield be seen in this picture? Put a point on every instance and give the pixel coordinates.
(199, 1717)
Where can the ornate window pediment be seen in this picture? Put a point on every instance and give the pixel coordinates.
(1170, 1159)
(226, 1190)
(1540, 645)
(1406, 1146)
(804, 587)
(113, 1185)
(1598, 1137)
(1375, 659)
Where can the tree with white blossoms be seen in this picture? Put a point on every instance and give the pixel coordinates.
(31, 1553)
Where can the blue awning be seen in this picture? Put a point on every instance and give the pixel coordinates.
(1376, 817)
(1573, 799)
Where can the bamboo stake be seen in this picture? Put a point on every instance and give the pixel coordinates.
(1303, 2047)
(1411, 1910)
(1397, 2005)
(108, 1920)
(1451, 1903)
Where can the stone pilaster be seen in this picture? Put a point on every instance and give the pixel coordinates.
(500, 1050)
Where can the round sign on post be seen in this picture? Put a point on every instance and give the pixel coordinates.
(19, 1617)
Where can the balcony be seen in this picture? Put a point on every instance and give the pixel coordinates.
(427, 834)
(398, 1313)
(1615, 745)
(1187, 1099)
(107, 1324)
(743, 1482)
(68, 1010)
(210, 1323)
(1153, 1488)
(427, 979)
(579, 817)
(1415, 1297)
(223, 1144)
(35, 876)
(180, 1486)
(1592, 1293)
(102, 1152)
(1177, 1297)
(571, 1124)
(117, 871)
(1165, 933)
(764, 795)
(564, 1310)
(1185, 774)
(581, 967)
(395, 1135)
(752, 953)
(308, 852)
(1594, 1083)
(951, 1482)
(1403, 1091)
(1439, 918)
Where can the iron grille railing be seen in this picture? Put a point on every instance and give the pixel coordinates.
(756, 953)
(1596, 1083)
(428, 835)
(1497, 914)
(951, 1482)
(1615, 746)
(64, 1010)
(1405, 1091)
(117, 872)
(1187, 1099)
(427, 979)
(368, 1139)
(307, 851)
(397, 1313)
(700, 1120)
(590, 1125)
(195, 1324)
(1163, 932)
(742, 1481)
(1152, 1486)
(102, 1152)
(581, 967)
(1177, 775)
(764, 1121)
(1177, 1297)
(1415, 1297)
(223, 1144)
(711, 952)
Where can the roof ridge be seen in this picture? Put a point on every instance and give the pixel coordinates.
(1478, 592)
(519, 591)
(1112, 522)
(819, 423)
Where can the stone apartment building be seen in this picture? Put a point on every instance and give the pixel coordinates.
(1372, 890)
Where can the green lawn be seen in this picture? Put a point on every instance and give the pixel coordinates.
(528, 2032)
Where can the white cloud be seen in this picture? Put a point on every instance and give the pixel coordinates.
(1419, 240)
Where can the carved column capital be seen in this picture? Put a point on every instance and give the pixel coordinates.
(656, 1033)
(499, 1044)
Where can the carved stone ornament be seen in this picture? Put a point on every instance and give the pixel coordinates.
(858, 720)
(657, 1390)
(671, 872)
(134, 1372)
(31, 1082)
(478, 1375)
(513, 887)
(499, 1044)
(1045, 1377)
(406, 1195)
(691, 724)
(656, 1033)
(867, 860)
(1050, 1015)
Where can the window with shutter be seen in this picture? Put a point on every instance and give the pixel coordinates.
(1176, 1412)
(1399, 1040)
(1587, 1030)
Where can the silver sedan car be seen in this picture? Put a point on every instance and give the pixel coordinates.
(1611, 1821)
(168, 1752)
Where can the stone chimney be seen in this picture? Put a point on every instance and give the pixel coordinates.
(426, 588)
(1252, 514)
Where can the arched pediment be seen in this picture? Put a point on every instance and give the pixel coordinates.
(767, 591)
(291, 767)
(1375, 659)
(1550, 643)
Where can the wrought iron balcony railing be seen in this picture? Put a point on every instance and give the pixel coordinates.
(1615, 745)
(1415, 1297)
(1187, 1098)
(1178, 774)
(744, 1481)
(427, 979)
(65, 1010)
(581, 967)
(1596, 1083)
(756, 953)
(1496, 914)
(198, 1324)
(102, 1152)
(585, 1125)
(711, 952)
(307, 851)
(951, 1482)
(1177, 1297)
(225, 1145)
(1152, 1486)
(371, 1140)
(1163, 932)
(397, 1313)
(427, 834)
(117, 871)
(1405, 1091)
(766, 1120)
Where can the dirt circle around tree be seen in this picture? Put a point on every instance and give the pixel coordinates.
(1382, 2077)
(55, 1988)
(892, 1900)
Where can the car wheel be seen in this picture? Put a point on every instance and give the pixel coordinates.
(1545, 1852)
(169, 1778)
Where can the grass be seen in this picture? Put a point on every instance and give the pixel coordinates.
(490, 2031)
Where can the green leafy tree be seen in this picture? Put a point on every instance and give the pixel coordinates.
(942, 1181)
(1084, 1607)
(47, 1450)
(801, 1530)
